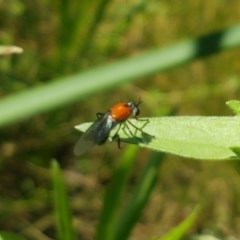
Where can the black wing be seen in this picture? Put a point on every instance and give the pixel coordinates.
(96, 134)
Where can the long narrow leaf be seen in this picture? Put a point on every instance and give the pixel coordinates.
(179, 231)
(207, 138)
(113, 197)
(68, 89)
(62, 208)
(10, 236)
(139, 198)
(98, 17)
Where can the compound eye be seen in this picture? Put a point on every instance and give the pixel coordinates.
(135, 109)
(131, 104)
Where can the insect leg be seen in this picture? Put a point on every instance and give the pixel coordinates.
(127, 130)
(146, 121)
(116, 136)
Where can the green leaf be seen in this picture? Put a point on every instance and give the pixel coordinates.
(62, 208)
(10, 236)
(209, 138)
(68, 89)
(234, 105)
(179, 231)
(112, 224)
(236, 150)
(114, 195)
(140, 195)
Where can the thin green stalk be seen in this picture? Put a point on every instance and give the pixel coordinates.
(62, 209)
(114, 195)
(139, 198)
(98, 16)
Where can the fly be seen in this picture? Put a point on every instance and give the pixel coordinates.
(99, 131)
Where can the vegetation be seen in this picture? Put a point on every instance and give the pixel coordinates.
(82, 57)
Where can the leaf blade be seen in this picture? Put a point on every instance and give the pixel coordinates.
(208, 138)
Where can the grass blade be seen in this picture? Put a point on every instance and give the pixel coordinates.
(10, 236)
(139, 198)
(62, 208)
(179, 231)
(68, 89)
(114, 195)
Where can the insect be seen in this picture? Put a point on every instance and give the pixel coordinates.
(99, 131)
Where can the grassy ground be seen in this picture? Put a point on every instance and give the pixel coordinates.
(62, 38)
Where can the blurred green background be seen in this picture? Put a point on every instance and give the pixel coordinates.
(60, 38)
